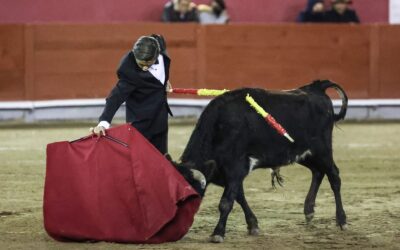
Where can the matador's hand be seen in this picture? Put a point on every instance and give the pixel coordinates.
(169, 87)
(98, 131)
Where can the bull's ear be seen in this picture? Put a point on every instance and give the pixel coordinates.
(168, 156)
(210, 168)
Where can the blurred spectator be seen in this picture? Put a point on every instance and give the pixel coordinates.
(341, 13)
(215, 13)
(180, 11)
(314, 12)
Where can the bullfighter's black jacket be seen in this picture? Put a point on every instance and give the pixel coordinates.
(145, 96)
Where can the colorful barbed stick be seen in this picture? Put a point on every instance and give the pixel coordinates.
(268, 117)
(200, 92)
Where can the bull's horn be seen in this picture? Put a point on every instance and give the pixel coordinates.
(199, 176)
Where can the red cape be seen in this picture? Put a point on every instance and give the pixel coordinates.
(117, 188)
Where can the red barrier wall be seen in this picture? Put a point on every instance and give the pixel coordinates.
(283, 56)
(60, 61)
(387, 68)
(79, 61)
(12, 62)
(105, 11)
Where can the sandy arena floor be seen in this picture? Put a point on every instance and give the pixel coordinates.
(367, 155)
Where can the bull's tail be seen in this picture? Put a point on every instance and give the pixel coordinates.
(324, 85)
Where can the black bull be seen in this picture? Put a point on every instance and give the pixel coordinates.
(239, 140)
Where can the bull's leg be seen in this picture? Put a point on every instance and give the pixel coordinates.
(309, 203)
(275, 174)
(335, 181)
(251, 219)
(225, 207)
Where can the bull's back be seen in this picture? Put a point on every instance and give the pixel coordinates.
(307, 117)
(294, 110)
(230, 123)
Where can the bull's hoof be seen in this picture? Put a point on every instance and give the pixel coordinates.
(344, 227)
(309, 217)
(254, 231)
(216, 239)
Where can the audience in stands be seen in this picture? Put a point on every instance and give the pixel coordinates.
(341, 13)
(314, 12)
(180, 11)
(214, 13)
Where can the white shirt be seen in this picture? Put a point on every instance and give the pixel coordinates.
(157, 70)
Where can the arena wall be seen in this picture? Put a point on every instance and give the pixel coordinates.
(70, 61)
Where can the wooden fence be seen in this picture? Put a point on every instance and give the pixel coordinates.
(68, 61)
